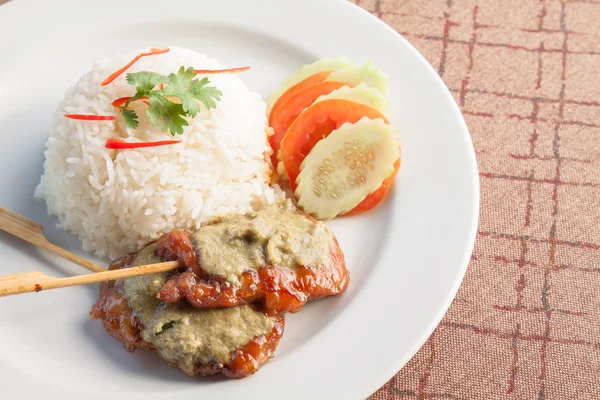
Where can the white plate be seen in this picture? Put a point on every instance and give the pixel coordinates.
(406, 258)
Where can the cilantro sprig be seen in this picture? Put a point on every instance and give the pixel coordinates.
(162, 111)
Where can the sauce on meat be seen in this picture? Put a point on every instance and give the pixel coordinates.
(186, 336)
(277, 235)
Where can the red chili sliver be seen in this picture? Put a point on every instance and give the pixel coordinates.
(90, 117)
(221, 71)
(118, 144)
(116, 74)
(122, 100)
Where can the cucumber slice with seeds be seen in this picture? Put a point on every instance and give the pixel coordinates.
(326, 64)
(345, 167)
(360, 94)
(368, 73)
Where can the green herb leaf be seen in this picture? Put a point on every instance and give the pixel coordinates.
(162, 111)
(166, 114)
(144, 82)
(130, 117)
(206, 94)
(166, 327)
(188, 90)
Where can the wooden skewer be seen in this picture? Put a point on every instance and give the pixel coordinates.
(36, 281)
(33, 233)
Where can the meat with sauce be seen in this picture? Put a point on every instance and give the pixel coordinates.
(234, 342)
(278, 257)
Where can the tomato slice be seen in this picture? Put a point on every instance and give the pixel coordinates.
(311, 80)
(283, 116)
(316, 123)
(375, 198)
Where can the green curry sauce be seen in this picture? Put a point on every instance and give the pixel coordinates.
(277, 235)
(186, 336)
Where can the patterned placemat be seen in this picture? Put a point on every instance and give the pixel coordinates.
(526, 321)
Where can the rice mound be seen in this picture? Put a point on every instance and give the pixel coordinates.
(117, 201)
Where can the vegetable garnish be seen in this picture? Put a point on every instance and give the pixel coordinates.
(375, 198)
(221, 71)
(162, 111)
(307, 75)
(282, 117)
(90, 117)
(120, 101)
(316, 123)
(116, 74)
(311, 80)
(118, 144)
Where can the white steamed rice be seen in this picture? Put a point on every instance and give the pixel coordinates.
(118, 201)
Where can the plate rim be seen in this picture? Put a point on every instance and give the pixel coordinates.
(476, 197)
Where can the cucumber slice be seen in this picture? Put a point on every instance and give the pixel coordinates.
(368, 73)
(360, 94)
(345, 167)
(326, 64)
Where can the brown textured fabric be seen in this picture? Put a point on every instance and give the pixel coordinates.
(526, 321)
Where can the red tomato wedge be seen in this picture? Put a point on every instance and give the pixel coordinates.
(316, 123)
(374, 198)
(311, 80)
(282, 117)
